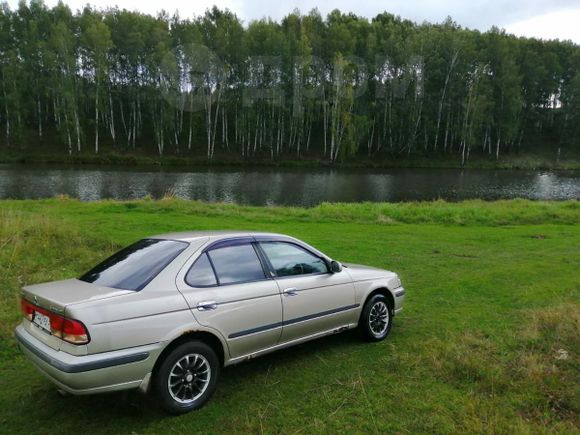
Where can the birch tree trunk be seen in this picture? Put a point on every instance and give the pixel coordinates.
(97, 120)
(441, 101)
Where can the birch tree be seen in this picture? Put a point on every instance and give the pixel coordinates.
(96, 43)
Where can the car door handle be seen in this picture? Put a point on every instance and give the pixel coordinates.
(291, 291)
(207, 305)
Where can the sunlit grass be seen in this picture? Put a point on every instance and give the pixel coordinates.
(488, 341)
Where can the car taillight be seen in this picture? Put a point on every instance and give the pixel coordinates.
(74, 332)
(70, 330)
(26, 309)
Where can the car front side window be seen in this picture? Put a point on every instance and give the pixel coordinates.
(288, 259)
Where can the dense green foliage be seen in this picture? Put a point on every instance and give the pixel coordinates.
(306, 86)
(487, 342)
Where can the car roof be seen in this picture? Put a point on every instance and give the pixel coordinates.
(216, 236)
(188, 236)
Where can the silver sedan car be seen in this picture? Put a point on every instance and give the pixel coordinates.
(166, 313)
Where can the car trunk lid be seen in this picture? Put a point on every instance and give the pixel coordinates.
(56, 296)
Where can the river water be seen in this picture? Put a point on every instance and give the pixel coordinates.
(269, 186)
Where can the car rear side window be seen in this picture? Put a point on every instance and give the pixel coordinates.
(201, 273)
(135, 266)
(238, 263)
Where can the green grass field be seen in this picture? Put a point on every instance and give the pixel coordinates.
(488, 340)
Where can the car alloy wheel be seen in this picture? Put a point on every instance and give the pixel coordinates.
(189, 378)
(379, 318)
(376, 318)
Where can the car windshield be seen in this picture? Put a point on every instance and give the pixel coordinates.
(135, 266)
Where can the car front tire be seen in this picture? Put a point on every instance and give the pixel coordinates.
(376, 318)
(187, 377)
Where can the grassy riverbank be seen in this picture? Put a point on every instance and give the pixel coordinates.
(531, 161)
(488, 341)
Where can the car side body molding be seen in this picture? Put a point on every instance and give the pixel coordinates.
(292, 321)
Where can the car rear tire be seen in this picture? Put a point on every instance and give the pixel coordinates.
(187, 377)
(376, 318)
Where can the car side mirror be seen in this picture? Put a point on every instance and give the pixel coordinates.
(335, 266)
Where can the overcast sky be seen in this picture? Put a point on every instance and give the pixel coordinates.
(548, 19)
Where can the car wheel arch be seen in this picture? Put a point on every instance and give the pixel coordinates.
(205, 337)
(383, 291)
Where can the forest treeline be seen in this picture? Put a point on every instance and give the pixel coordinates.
(332, 87)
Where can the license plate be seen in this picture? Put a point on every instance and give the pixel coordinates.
(42, 321)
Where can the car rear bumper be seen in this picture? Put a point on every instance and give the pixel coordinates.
(89, 374)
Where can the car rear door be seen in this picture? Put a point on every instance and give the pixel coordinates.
(313, 299)
(229, 290)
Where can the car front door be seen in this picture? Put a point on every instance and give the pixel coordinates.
(229, 290)
(313, 299)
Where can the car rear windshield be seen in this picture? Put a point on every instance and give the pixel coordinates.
(135, 266)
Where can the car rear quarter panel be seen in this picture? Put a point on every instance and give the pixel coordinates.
(155, 314)
(133, 320)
